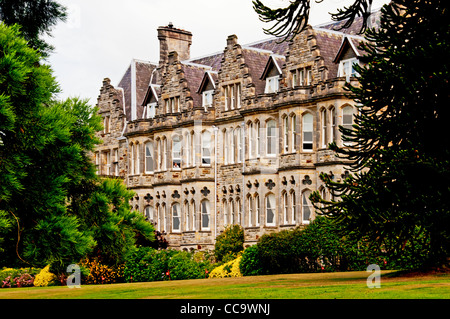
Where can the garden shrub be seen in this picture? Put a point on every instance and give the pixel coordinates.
(148, 264)
(324, 246)
(45, 278)
(229, 243)
(99, 273)
(250, 264)
(229, 269)
(17, 277)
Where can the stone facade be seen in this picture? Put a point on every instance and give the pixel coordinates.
(237, 137)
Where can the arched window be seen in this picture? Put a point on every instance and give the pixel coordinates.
(159, 154)
(293, 132)
(232, 141)
(333, 124)
(238, 143)
(257, 138)
(176, 152)
(163, 217)
(206, 148)
(293, 208)
(250, 211)
(187, 216)
(132, 159)
(232, 212)
(158, 217)
(225, 212)
(238, 212)
(148, 212)
(285, 134)
(347, 119)
(193, 149)
(270, 210)
(187, 147)
(271, 138)
(307, 132)
(306, 207)
(205, 215)
(257, 210)
(194, 215)
(149, 157)
(285, 208)
(251, 140)
(176, 217)
(324, 117)
(137, 158)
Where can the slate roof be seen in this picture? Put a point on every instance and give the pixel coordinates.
(140, 81)
(256, 57)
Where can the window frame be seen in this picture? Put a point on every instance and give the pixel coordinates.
(304, 130)
(269, 198)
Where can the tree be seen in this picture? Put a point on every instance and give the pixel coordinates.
(36, 17)
(54, 209)
(294, 18)
(398, 191)
(400, 185)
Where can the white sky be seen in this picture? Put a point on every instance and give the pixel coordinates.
(101, 37)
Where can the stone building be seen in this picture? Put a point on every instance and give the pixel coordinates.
(235, 137)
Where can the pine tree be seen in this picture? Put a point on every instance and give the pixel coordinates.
(399, 188)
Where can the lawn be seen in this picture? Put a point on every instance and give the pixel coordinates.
(340, 285)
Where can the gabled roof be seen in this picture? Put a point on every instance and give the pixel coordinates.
(208, 77)
(349, 43)
(194, 74)
(135, 85)
(275, 61)
(256, 60)
(152, 91)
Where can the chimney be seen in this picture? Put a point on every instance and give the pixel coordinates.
(172, 39)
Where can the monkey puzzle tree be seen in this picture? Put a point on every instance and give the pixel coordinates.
(399, 189)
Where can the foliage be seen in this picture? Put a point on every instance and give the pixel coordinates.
(294, 18)
(398, 193)
(54, 209)
(98, 273)
(323, 246)
(148, 264)
(21, 277)
(229, 269)
(251, 264)
(229, 243)
(45, 278)
(107, 216)
(36, 17)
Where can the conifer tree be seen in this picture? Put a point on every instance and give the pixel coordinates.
(398, 192)
(54, 209)
(400, 187)
(36, 18)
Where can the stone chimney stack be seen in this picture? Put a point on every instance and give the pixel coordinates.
(172, 39)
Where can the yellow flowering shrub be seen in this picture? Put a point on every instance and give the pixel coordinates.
(100, 273)
(44, 278)
(229, 269)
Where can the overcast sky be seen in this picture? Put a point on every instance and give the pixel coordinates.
(101, 37)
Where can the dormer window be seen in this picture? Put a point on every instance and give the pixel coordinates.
(207, 99)
(151, 110)
(272, 84)
(346, 68)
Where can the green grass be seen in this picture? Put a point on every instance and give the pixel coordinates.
(348, 285)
